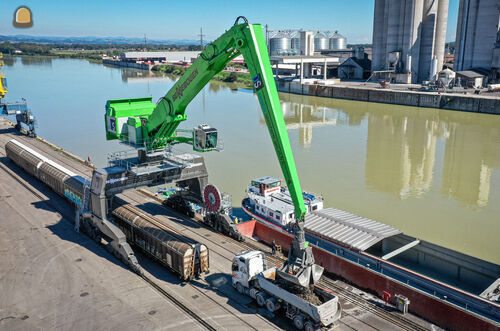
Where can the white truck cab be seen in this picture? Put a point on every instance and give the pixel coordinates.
(246, 266)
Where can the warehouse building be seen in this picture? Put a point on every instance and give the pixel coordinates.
(159, 56)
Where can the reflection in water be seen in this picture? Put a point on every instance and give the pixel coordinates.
(9, 61)
(471, 153)
(37, 61)
(401, 146)
(304, 117)
(400, 153)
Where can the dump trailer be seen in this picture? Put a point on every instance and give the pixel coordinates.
(309, 308)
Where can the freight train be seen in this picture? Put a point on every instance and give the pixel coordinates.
(181, 255)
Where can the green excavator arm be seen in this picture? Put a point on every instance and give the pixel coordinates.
(141, 122)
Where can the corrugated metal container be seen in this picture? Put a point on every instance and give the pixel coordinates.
(279, 44)
(347, 229)
(185, 257)
(24, 157)
(53, 177)
(320, 41)
(337, 41)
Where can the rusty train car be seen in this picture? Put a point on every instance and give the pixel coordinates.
(181, 255)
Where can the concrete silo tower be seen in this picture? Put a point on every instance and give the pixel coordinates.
(478, 36)
(409, 38)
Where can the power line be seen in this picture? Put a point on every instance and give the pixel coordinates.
(201, 35)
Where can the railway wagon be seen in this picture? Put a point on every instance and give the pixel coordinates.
(61, 180)
(24, 157)
(182, 256)
(187, 259)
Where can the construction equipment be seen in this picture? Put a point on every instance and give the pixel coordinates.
(23, 116)
(153, 127)
(20, 109)
(308, 308)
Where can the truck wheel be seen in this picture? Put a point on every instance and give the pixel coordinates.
(240, 288)
(298, 321)
(272, 305)
(253, 293)
(309, 326)
(261, 299)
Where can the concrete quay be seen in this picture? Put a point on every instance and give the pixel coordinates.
(54, 278)
(371, 93)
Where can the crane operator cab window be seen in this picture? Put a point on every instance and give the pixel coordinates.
(205, 138)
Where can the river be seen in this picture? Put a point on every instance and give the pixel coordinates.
(431, 173)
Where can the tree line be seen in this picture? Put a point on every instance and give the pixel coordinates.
(110, 49)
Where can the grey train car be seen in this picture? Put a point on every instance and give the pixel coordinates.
(61, 180)
(24, 157)
(187, 259)
(181, 255)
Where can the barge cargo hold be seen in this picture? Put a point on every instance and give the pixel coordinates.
(449, 288)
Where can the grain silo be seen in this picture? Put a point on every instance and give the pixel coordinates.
(478, 35)
(337, 41)
(320, 41)
(280, 44)
(413, 32)
(295, 43)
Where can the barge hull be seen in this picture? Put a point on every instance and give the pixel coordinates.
(427, 306)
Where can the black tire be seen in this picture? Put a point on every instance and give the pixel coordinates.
(298, 321)
(261, 299)
(309, 326)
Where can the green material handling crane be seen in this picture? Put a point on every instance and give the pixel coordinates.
(152, 126)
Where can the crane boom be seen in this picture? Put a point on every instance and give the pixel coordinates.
(155, 126)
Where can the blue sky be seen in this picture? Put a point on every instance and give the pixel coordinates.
(182, 19)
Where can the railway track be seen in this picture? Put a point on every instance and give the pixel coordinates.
(67, 218)
(398, 320)
(179, 304)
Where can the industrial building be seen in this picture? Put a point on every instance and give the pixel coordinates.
(153, 57)
(409, 38)
(307, 54)
(478, 37)
(291, 42)
(357, 66)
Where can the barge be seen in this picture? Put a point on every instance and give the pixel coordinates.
(449, 288)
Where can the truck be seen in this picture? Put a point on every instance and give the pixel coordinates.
(252, 277)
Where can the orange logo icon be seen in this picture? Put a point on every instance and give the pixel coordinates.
(23, 17)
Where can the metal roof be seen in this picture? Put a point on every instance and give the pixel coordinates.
(469, 74)
(348, 229)
(267, 180)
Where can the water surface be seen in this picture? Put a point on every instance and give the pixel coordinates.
(433, 174)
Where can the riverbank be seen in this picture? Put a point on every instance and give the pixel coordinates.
(369, 93)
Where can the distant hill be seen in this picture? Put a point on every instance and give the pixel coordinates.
(92, 40)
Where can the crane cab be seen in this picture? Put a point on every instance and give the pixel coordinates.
(205, 138)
